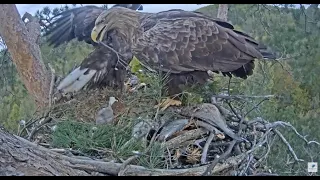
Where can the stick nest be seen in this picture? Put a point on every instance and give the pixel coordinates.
(202, 139)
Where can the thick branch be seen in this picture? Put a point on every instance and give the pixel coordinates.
(21, 157)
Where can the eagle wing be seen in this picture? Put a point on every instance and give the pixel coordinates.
(182, 41)
(73, 23)
(78, 23)
(98, 68)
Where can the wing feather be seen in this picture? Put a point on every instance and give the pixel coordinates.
(194, 42)
(78, 23)
(73, 23)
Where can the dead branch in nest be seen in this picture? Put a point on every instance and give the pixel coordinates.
(288, 145)
(264, 174)
(112, 168)
(205, 148)
(36, 128)
(241, 97)
(217, 160)
(192, 134)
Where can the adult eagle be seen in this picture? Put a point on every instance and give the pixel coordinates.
(185, 44)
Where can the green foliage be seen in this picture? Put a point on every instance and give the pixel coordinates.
(83, 137)
(13, 117)
(294, 79)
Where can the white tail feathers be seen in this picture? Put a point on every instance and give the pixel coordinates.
(76, 80)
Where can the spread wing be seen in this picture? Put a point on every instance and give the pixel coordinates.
(186, 41)
(73, 23)
(78, 23)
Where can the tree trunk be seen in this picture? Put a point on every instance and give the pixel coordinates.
(223, 12)
(25, 54)
(18, 158)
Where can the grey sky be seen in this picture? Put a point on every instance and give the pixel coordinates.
(32, 8)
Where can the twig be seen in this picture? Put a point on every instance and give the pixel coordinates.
(297, 133)
(288, 145)
(256, 106)
(247, 166)
(51, 84)
(205, 148)
(123, 167)
(264, 174)
(234, 111)
(122, 62)
(264, 156)
(169, 156)
(241, 97)
(47, 119)
(264, 140)
(222, 157)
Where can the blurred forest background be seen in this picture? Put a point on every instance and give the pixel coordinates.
(294, 33)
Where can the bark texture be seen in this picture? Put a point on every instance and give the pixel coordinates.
(25, 53)
(223, 12)
(18, 158)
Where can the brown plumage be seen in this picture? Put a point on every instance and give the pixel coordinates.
(186, 44)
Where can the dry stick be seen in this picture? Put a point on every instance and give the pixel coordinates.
(51, 84)
(125, 164)
(264, 156)
(122, 62)
(297, 133)
(240, 97)
(47, 119)
(29, 123)
(247, 166)
(288, 145)
(205, 148)
(264, 174)
(169, 156)
(256, 106)
(216, 160)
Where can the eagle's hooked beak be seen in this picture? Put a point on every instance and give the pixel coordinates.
(97, 33)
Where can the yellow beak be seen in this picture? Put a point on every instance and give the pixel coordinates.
(96, 31)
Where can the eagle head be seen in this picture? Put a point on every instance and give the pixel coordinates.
(123, 20)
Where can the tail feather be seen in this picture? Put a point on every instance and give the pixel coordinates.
(76, 80)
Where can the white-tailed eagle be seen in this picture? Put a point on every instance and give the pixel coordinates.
(185, 44)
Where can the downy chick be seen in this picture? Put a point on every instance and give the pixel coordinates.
(105, 115)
